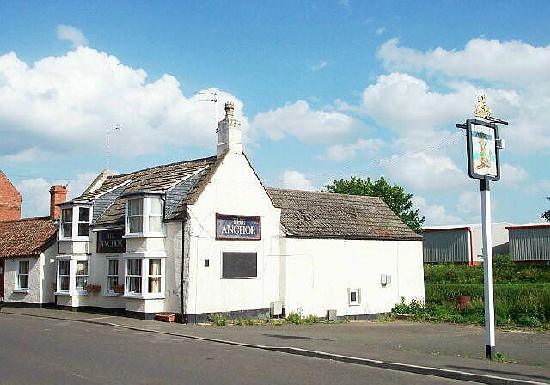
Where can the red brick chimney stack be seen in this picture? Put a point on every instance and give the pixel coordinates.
(10, 200)
(58, 194)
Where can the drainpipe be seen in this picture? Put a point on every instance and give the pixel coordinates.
(471, 261)
(182, 303)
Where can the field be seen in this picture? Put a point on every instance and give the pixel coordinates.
(522, 294)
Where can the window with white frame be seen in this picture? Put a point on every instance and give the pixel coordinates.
(354, 296)
(81, 275)
(83, 229)
(63, 275)
(75, 222)
(144, 216)
(112, 275)
(67, 223)
(135, 216)
(144, 277)
(133, 276)
(155, 215)
(155, 275)
(23, 275)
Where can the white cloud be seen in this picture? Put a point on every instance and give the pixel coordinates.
(435, 214)
(296, 180)
(31, 154)
(36, 192)
(512, 175)
(503, 61)
(517, 71)
(71, 34)
(406, 105)
(425, 171)
(68, 103)
(469, 204)
(299, 120)
(36, 196)
(319, 66)
(339, 152)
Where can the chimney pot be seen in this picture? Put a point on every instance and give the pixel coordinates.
(229, 108)
(58, 194)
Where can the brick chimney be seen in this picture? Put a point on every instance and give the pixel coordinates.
(10, 200)
(229, 132)
(58, 194)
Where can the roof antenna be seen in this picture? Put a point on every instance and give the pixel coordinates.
(108, 134)
(211, 95)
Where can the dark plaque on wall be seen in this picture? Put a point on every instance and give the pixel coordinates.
(240, 265)
(111, 241)
(238, 228)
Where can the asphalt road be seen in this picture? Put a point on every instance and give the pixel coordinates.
(46, 351)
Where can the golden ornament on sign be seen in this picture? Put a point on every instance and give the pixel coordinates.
(482, 110)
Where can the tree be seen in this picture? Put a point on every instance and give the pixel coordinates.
(399, 201)
(546, 214)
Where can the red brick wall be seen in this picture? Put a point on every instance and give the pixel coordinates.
(10, 200)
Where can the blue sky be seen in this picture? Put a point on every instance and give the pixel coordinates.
(326, 89)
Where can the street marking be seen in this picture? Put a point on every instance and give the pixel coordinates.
(397, 366)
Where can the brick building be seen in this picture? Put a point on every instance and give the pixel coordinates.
(10, 200)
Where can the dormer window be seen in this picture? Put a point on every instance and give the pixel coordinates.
(75, 222)
(144, 216)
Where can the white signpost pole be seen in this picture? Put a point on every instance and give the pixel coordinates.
(483, 144)
(486, 226)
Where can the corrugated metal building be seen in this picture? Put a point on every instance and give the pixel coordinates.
(530, 243)
(461, 243)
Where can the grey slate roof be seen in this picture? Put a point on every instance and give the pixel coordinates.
(306, 214)
(179, 181)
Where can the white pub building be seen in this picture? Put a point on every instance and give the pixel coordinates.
(205, 236)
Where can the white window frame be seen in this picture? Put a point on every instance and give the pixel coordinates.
(75, 218)
(357, 293)
(109, 291)
(73, 260)
(145, 217)
(144, 261)
(82, 289)
(58, 276)
(19, 275)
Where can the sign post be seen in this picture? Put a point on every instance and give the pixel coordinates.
(484, 144)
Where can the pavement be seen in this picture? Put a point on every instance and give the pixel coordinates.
(442, 350)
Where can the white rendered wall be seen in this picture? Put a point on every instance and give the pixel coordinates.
(11, 293)
(234, 189)
(319, 273)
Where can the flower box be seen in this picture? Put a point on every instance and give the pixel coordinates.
(165, 317)
(118, 289)
(93, 289)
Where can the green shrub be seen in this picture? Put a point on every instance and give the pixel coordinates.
(218, 319)
(311, 319)
(295, 317)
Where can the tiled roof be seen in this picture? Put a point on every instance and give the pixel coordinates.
(26, 237)
(307, 214)
(185, 178)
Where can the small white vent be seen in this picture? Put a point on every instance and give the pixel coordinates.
(385, 279)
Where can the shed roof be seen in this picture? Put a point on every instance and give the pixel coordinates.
(307, 214)
(26, 237)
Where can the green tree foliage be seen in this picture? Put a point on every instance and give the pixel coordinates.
(546, 214)
(399, 201)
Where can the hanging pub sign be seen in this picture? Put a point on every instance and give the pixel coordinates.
(111, 241)
(238, 227)
(483, 159)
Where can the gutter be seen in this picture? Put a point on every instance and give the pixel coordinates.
(182, 300)
(471, 261)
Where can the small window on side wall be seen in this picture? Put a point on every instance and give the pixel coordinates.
(23, 275)
(240, 265)
(354, 297)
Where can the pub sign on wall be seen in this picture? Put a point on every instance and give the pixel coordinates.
(111, 241)
(238, 228)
